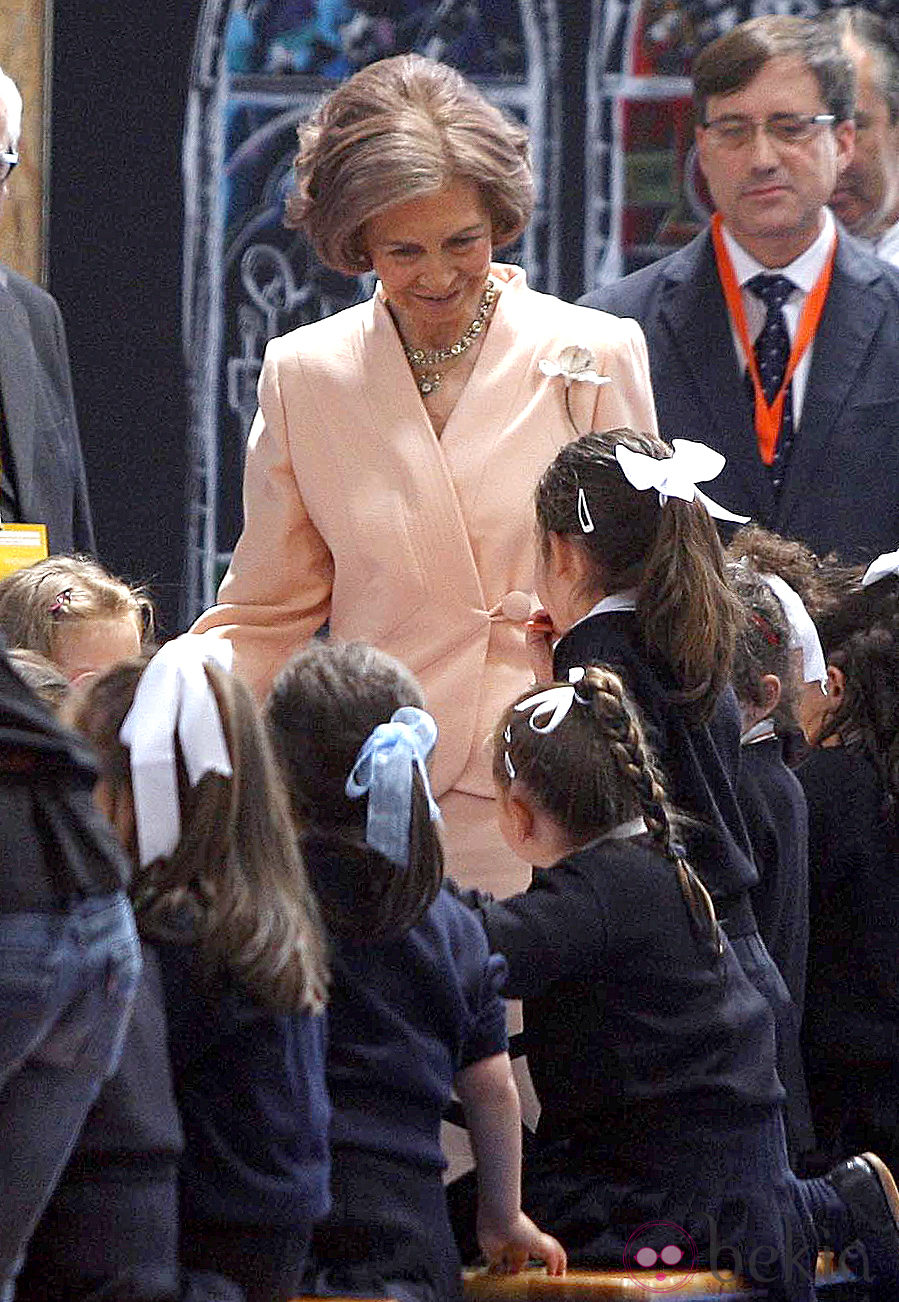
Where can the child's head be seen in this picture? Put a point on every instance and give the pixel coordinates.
(324, 710)
(571, 764)
(765, 673)
(859, 628)
(790, 560)
(598, 535)
(43, 677)
(209, 830)
(71, 610)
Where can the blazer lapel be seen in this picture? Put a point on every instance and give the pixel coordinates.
(852, 315)
(693, 310)
(17, 387)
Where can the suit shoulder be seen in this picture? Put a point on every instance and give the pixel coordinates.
(26, 291)
(630, 294)
(317, 338)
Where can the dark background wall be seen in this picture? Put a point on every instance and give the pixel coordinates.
(119, 77)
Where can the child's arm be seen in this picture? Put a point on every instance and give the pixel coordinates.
(492, 1110)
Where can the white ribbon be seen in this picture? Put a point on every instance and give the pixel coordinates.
(677, 475)
(174, 698)
(552, 704)
(803, 634)
(886, 563)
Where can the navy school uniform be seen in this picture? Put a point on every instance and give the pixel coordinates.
(654, 1063)
(405, 1016)
(701, 766)
(851, 1024)
(250, 1086)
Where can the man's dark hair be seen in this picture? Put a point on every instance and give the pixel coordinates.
(880, 38)
(732, 61)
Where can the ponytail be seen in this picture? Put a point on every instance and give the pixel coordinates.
(687, 614)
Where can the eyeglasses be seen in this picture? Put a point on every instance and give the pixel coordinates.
(8, 160)
(782, 128)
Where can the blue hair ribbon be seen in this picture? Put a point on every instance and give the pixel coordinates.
(383, 771)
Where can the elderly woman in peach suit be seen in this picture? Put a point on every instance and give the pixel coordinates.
(392, 463)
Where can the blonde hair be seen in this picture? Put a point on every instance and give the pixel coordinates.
(237, 867)
(401, 129)
(36, 602)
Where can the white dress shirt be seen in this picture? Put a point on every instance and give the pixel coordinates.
(804, 271)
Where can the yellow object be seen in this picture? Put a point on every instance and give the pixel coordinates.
(21, 545)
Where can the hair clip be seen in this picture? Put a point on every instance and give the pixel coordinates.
(770, 633)
(887, 563)
(61, 599)
(510, 767)
(585, 519)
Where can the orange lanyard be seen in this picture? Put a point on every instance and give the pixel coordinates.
(768, 419)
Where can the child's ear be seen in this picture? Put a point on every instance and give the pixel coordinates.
(521, 816)
(836, 686)
(771, 692)
(566, 557)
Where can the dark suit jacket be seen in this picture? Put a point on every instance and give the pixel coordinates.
(841, 488)
(43, 467)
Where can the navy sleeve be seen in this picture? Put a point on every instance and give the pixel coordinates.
(554, 930)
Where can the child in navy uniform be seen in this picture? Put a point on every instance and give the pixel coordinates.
(414, 1008)
(219, 890)
(632, 577)
(851, 781)
(772, 800)
(651, 1052)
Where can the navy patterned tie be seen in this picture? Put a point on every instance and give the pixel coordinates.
(772, 352)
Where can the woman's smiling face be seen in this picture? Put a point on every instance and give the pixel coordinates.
(432, 256)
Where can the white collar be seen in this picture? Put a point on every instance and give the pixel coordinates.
(886, 245)
(624, 600)
(803, 271)
(764, 730)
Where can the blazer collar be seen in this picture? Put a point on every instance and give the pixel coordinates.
(693, 309)
(17, 388)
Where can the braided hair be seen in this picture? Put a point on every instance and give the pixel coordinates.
(594, 771)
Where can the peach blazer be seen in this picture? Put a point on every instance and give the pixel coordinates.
(356, 513)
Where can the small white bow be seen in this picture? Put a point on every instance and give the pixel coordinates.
(552, 704)
(575, 363)
(677, 475)
(886, 563)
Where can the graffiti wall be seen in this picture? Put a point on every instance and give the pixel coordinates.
(605, 95)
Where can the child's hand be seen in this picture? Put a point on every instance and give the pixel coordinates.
(507, 1251)
(539, 636)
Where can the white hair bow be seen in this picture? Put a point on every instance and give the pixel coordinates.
(677, 475)
(550, 706)
(174, 698)
(886, 563)
(803, 634)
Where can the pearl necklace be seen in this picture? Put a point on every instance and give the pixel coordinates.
(424, 360)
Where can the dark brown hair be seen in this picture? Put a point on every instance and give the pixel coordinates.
(671, 554)
(323, 707)
(735, 59)
(763, 646)
(789, 559)
(237, 867)
(859, 630)
(593, 771)
(397, 130)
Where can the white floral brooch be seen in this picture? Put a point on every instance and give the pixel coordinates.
(573, 364)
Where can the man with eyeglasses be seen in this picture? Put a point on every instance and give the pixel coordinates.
(42, 479)
(866, 199)
(774, 336)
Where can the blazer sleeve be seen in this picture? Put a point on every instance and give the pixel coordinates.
(627, 401)
(277, 591)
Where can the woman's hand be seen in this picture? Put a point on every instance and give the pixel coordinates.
(539, 636)
(509, 1249)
